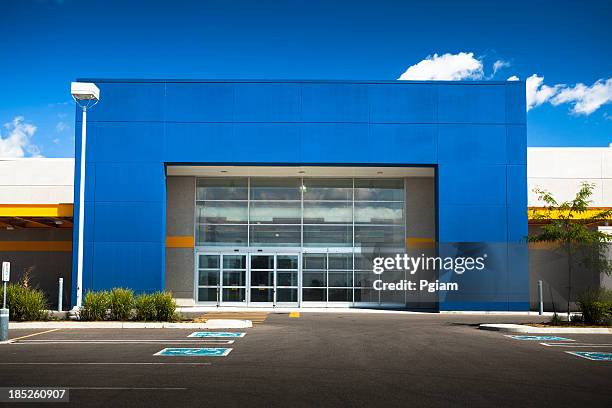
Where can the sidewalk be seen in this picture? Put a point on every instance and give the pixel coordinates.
(68, 324)
(523, 328)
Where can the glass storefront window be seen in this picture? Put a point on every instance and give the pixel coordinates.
(379, 235)
(328, 212)
(328, 189)
(340, 261)
(340, 279)
(222, 188)
(314, 295)
(276, 189)
(332, 223)
(328, 235)
(314, 261)
(275, 235)
(314, 279)
(222, 212)
(222, 235)
(379, 213)
(275, 212)
(340, 295)
(207, 294)
(379, 190)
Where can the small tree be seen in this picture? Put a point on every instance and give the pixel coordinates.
(567, 224)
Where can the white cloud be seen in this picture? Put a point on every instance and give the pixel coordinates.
(513, 78)
(450, 67)
(61, 126)
(537, 93)
(499, 64)
(56, 140)
(17, 141)
(585, 99)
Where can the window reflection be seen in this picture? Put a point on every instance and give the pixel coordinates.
(222, 212)
(275, 189)
(379, 190)
(379, 213)
(328, 189)
(222, 188)
(275, 212)
(322, 212)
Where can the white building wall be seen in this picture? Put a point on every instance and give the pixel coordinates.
(36, 181)
(561, 170)
(557, 169)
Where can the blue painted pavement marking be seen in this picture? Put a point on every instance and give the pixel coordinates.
(592, 355)
(194, 352)
(216, 334)
(540, 338)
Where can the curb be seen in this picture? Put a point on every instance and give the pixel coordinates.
(521, 328)
(210, 324)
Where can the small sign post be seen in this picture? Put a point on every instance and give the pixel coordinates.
(4, 313)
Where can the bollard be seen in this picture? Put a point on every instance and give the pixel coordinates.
(540, 298)
(60, 294)
(4, 324)
(4, 312)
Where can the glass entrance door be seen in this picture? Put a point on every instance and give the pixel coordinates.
(274, 279)
(259, 279)
(221, 279)
(262, 267)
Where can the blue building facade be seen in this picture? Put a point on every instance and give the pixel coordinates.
(472, 134)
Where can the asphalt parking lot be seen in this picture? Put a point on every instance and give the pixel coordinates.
(350, 360)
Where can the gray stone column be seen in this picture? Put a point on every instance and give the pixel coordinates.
(180, 214)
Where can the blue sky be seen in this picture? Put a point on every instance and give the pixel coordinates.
(46, 44)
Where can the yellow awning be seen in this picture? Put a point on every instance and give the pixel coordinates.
(36, 210)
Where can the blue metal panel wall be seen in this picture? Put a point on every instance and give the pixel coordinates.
(474, 132)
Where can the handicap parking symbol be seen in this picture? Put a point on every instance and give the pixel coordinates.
(194, 352)
(592, 355)
(216, 334)
(540, 338)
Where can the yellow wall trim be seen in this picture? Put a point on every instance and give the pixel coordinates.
(535, 212)
(36, 210)
(35, 246)
(180, 241)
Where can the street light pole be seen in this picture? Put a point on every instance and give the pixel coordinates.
(79, 288)
(86, 95)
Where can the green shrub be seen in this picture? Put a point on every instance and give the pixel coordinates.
(95, 305)
(595, 305)
(555, 320)
(145, 307)
(121, 303)
(25, 303)
(165, 306)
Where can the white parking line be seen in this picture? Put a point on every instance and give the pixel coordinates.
(103, 363)
(589, 345)
(128, 388)
(31, 335)
(127, 341)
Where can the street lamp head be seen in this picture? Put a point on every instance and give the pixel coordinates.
(85, 94)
